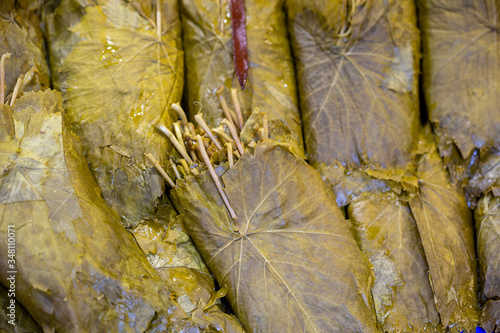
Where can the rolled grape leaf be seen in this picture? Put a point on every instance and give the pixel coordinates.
(463, 104)
(173, 255)
(388, 235)
(444, 222)
(487, 216)
(288, 260)
(118, 75)
(357, 67)
(270, 85)
(78, 269)
(21, 36)
(14, 318)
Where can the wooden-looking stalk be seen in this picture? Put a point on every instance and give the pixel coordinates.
(223, 104)
(211, 170)
(160, 169)
(203, 124)
(177, 108)
(159, 126)
(237, 108)
(5, 56)
(234, 135)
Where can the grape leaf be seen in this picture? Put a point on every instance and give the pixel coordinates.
(487, 216)
(388, 235)
(270, 86)
(357, 80)
(24, 323)
(463, 103)
(77, 268)
(117, 79)
(444, 222)
(175, 258)
(21, 36)
(289, 260)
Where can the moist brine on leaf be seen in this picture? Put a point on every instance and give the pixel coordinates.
(461, 73)
(288, 260)
(388, 235)
(175, 258)
(78, 269)
(357, 72)
(445, 225)
(119, 70)
(487, 216)
(270, 85)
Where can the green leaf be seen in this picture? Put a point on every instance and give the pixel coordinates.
(358, 89)
(487, 216)
(271, 86)
(77, 267)
(388, 235)
(444, 222)
(117, 79)
(289, 260)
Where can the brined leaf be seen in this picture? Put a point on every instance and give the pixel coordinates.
(289, 260)
(388, 235)
(118, 77)
(445, 225)
(357, 73)
(270, 85)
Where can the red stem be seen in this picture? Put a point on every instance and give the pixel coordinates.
(239, 40)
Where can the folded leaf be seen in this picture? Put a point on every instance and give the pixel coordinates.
(487, 216)
(444, 222)
(357, 72)
(21, 36)
(118, 76)
(289, 260)
(78, 269)
(270, 85)
(175, 258)
(18, 320)
(463, 104)
(388, 235)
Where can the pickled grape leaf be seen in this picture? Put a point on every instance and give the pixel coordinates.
(78, 269)
(24, 323)
(270, 86)
(288, 260)
(175, 258)
(462, 103)
(444, 222)
(487, 216)
(117, 79)
(357, 74)
(388, 235)
(21, 36)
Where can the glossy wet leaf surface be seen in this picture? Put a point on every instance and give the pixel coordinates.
(270, 86)
(445, 225)
(357, 81)
(388, 235)
(117, 79)
(77, 267)
(289, 260)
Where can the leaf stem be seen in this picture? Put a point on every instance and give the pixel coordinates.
(221, 134)
(185, 165)
(178, 134)
(27, 78)
(174, 167)
(234, 135)
(158, 19)
(237, 108)
(223, 104)
(177, 108)
(211, 170)
(265, 125)
(230, 158)
(16, 89)
(5, 56)
(203, 124)
(159, 126)
(158, 167)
